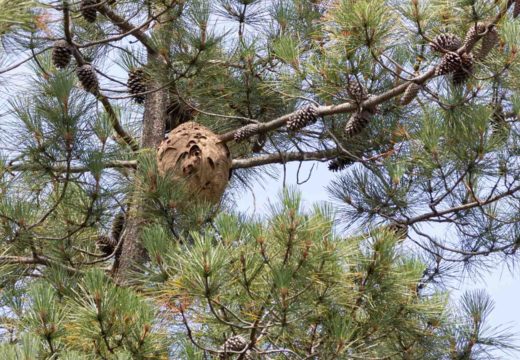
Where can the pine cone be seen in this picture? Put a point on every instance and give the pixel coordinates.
(339, 163)
(258, 142)
(450, 62)
(446, 42)
(87, 77)
(245, 132)
(473, 35)
(61, 54)
(489, 41)
(235, 344)
(356, 91)
(302, 118)
(357, 122)
(106, 244)
(117, 225)
(410, 93)
(464, 71)
(88, 10)
(137, 84)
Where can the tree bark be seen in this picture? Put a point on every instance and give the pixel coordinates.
(131, 251)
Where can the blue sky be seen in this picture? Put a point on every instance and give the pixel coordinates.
(501, 283)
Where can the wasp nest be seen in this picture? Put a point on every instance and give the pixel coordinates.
(193, 153)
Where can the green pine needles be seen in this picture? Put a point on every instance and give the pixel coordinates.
(414, 105)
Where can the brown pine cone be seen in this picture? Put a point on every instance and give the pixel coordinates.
(245, 132)
(88, 78)
(410, 93)
(235, 344)
(450, 62)
(339, 163)
(302, 118)
(357, 91)
(489, 41)
(137, 84)
(462, 74)
(88, 10)
(357, 122)
(446, 42)
(473, 35)
(61, 54)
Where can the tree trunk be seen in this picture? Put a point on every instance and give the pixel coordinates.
(131, 251)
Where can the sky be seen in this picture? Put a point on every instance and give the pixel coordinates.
(501, 283)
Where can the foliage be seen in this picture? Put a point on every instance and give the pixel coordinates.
(427, 186)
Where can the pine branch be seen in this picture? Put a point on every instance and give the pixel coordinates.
(21, 62)
(127, 27)
(471, 205)
(119, 164)
(121, 36)
(35, 260)
(346, 107)
(103, 99)
(281, 158)
(278, 158)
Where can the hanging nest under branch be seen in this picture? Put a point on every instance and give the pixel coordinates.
(194, 154)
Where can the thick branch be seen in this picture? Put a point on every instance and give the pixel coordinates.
(278, 158)
(37, 260)
(336, 109)
(127, 27)
(119, 164)
(282, 158)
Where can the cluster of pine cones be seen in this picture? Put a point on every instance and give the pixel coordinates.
(61, 57)
(62, 54)
(460, 65)
(361, 117)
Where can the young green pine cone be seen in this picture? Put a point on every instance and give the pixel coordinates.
(302, 118)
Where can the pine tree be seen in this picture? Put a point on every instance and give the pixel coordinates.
(124, 122)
